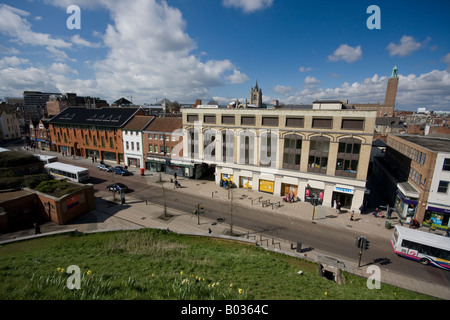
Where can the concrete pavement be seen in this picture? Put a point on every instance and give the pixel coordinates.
(134, 214)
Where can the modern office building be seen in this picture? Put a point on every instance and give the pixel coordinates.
(314, 153)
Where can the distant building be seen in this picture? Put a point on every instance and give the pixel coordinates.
(256, 96)
(9, 123)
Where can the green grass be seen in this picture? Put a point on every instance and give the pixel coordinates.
(152, 264)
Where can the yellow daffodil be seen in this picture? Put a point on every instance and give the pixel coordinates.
(240, 290)
(58, 269)
(181, 272)
(88, 272)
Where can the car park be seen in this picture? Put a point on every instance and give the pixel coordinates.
(117, 187)
(121, 170)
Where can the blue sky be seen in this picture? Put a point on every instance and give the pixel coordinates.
(298, 51)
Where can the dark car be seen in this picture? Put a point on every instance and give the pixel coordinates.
(117, 187)
(121, 170)
(105, 167)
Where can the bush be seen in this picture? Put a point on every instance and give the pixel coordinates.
(25, 181)
(16, 159)
(51, 186)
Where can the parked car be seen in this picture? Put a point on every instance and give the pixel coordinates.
(105, 167)
(117, 187)
(121, 170)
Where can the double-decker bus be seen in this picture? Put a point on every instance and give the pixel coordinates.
(426, 248)
(67, 171)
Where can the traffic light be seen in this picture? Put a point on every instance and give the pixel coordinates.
(366, 244)
(358, 242)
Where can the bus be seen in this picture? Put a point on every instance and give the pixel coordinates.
(47, 159)
(426, 248)
(67, 171)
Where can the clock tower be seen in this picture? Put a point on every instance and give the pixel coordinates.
(256, 96)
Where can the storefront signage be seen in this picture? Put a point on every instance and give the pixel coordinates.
(343, 190)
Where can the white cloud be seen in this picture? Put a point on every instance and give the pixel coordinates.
(305, 69)
(84, 43)
(237, 77)
(446, 59)
(312, 80)
(429, 89)
(12, 24)
(406, 47)
(248, 6)
(12, 62)
(284, 90)
(346, 53)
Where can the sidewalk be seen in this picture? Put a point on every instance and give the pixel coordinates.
(136, 214)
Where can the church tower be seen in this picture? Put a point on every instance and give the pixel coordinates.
(256, 96)
(391, 91)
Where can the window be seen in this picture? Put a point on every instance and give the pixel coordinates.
(87, 140)
(446, 166)
(132, 145)
(295, 122)
(111, 143)
(351, 124)
(168, 150)
(209, 119)
(95, 141)
(443, 187)
(322, 123)
(348, 157)
(318, 154)
(247, 121)
(156, 149)
(128, 145)
(103, 142)
(228, 120)
(137, 146)
(150, 148)
(192, 118)
(270, 121)
(292, 152)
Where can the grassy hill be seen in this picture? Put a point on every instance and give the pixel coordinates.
(157, 265)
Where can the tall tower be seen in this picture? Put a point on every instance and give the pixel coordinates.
(256, 96)
(391, 91)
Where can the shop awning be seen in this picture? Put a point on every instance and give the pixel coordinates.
(408, 190)
(316, 184)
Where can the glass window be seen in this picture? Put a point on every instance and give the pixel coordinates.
(443, 187)
(292, 152)
(446, 166)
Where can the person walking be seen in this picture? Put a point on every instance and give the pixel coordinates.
(37, 229)
(352, 215)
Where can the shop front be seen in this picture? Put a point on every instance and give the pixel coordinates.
(245, 182)
(406, 200)
(343, 195)
(314, 190)
(437, 217)
(289, 189)
(266, 186)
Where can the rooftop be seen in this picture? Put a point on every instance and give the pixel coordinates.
(431, 143)
(165, 125)
(111, 117)
(138, 123)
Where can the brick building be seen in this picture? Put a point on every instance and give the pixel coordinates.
(91, 132)
(415, 177)
(162, 140)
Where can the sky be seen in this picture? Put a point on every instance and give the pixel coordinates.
(183, 50)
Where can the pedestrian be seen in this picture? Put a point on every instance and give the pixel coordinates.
(175, 185)
(338, 207)
(175, 175)
(361, 209)
(351, 217)
(209, 230)
(92, 159)
(37, 229)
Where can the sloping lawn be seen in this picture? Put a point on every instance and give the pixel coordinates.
(157, 265)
